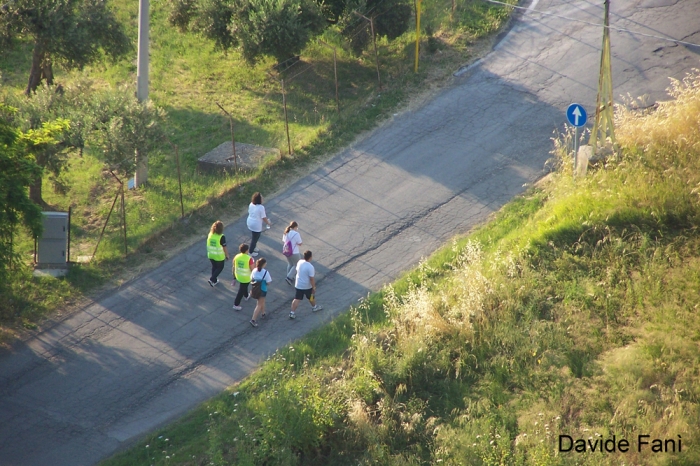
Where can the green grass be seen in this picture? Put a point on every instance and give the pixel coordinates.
(573, 311)
(187, 78)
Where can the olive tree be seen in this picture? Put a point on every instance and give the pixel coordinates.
(276, 28)
(123, 126)
(72, 32)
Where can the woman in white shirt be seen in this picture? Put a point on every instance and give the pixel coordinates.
(291, 234)
(260, 274)
(256, 217)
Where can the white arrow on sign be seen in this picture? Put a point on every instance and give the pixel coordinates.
(577, 114)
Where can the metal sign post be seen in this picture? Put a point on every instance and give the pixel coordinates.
(577, 117)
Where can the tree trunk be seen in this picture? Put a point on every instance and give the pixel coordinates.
(47, 71)
(41, 69)
(35, 192)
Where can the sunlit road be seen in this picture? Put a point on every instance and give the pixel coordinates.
(159, 345)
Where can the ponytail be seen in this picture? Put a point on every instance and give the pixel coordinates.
(261, 263)
(289, 228)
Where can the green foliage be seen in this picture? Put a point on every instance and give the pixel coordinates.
(391, 19)
(72, 32)
(17, 170)
(276, 28)
(123, 126)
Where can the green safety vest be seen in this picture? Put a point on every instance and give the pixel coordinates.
(241, 268)
(215, 251)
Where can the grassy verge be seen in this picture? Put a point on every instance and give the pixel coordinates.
(573, 312)
(188, 77)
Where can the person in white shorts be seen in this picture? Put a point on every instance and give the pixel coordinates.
(305, 285)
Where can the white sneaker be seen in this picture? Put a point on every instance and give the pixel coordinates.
(237, 308)
(254, 254)
(316, 308)
(292, 315)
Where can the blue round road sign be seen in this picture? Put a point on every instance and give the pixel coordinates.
(576, 115)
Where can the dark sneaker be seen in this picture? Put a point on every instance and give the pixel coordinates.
(253, 323)
(263, 316)
(289, 281)
(316, 308)
(292, 315)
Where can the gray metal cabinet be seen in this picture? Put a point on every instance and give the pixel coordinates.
(52, 246)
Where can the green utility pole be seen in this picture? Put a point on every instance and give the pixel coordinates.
(603, 127)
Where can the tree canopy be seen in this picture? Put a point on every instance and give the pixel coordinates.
(123, 126)
(282, 28)
(277, 28)
(17, 171)
(72, 32)
(112, 122)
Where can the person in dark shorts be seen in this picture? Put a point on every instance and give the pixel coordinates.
(256, 218)
(216, 251)
(305, 285)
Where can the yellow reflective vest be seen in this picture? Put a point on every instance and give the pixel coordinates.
(241, 268)
(215, 251)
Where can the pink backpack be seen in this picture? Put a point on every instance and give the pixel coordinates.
(288, 249)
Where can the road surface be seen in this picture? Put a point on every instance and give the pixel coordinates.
(166, 341)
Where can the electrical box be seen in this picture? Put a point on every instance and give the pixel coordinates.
(53, 243)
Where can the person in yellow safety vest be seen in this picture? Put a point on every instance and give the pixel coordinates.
(216, 251)
(242, 268)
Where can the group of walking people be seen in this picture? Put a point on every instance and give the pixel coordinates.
(252, 276)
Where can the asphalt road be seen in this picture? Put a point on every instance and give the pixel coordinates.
(166, 341)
